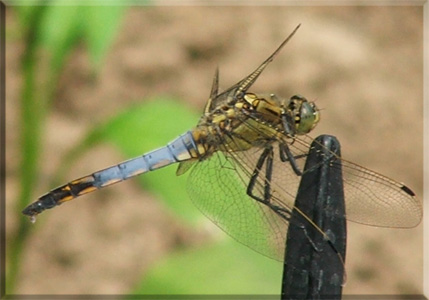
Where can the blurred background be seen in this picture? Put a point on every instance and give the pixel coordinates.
(88, 87)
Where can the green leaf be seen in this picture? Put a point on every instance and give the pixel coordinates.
(101, 23)
(149, 125)
(25, 13)
(223, 268)
(60, 28)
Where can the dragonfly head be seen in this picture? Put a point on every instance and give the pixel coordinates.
(305, 114)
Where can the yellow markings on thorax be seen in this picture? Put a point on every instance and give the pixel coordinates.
(267, 106)
(254, 116)
(250, 98)
(219, 118)
(200, 137)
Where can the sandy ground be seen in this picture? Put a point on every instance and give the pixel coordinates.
(363, 66)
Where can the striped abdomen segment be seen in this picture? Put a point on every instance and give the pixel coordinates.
(181, 149)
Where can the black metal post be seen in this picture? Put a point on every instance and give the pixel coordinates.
(315, 253)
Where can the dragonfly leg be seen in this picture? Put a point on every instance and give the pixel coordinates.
(288, 124)
(267, 158)
(267, 155)
(286, 155)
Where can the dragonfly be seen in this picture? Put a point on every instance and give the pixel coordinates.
(245, 158)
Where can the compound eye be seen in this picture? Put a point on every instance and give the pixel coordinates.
(308, 117)
(299, 98)
(295, 103)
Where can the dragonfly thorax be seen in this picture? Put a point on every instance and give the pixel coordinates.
(253, 121)
(289, 116)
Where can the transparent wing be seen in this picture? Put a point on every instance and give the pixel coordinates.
(374, 199)
(218, 187)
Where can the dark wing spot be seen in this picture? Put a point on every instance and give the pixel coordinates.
(407, 190)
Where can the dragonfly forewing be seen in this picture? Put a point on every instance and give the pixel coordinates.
(372, 198)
